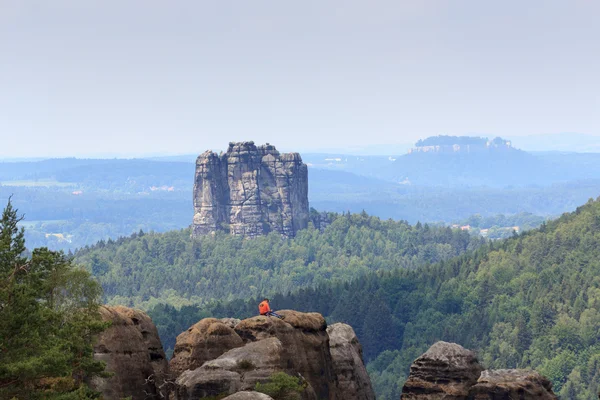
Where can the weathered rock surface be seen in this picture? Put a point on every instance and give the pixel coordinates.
(512, 384)
(298, 345)
(237, 370)
(346, 352)
(448, 371)
(132, 351)
(248, 396)
(250, 191)
(204, 341)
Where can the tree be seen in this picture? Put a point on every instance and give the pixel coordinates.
(48, 319)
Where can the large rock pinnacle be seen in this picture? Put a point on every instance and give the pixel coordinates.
(250, 191)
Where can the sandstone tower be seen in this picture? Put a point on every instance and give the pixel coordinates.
(250, 191)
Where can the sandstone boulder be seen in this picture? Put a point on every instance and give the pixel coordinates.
(446, 371)
(133, 353)
(259, 347)
(237, 370)
(250, 191)
(231, 322)
(204, 341)
(346, 353)
(512, 384)
(305, 346)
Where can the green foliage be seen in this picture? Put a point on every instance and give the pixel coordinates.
(281, 386)
(48, 318)
(173, 268)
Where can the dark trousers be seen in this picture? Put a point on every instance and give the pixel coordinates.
(272, 314)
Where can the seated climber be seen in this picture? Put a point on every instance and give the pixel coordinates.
(265, 309)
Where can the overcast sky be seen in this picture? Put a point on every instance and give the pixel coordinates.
(100, 77)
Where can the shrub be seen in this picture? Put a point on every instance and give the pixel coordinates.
(281, 386)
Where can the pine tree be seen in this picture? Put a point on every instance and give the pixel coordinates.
(48, 319)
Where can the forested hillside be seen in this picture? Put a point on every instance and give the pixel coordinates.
(173, 268)
(532, 301)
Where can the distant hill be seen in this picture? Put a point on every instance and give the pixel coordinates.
(559, 142)
(453, 161)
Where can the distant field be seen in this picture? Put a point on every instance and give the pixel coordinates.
(38, 183)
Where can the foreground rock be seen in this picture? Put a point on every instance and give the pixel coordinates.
(346, 352)
(133, 353)
(298, 345)
(512, 384)
(250, 191)
(204, 341)
(328, 361)
(448, 371)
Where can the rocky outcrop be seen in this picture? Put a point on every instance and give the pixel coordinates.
(448, 371)
(346, 352)
(133, 353)
(512, 384)
(204, 341)
(250, 191)
(237, 370)
(299, 345)
(305, 346)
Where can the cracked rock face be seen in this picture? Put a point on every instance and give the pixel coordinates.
(250, 191)
(346, 352)
(133, 353)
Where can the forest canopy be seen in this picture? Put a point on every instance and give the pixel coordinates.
(172, 268)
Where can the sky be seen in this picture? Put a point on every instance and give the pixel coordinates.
(130, 78)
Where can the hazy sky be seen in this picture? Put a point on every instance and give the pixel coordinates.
(93, 77)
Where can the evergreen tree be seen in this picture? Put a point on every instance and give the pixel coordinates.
(48, 319)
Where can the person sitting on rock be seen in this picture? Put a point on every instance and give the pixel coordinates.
(265, 309)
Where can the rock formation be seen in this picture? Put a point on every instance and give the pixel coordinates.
(299, 345)
(346, 352)
(512, 384)
(448, 371)
(220, 357)
(250, 191)
(204, 341)
(133, 353)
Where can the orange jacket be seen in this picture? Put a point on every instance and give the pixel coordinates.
(264, 308)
